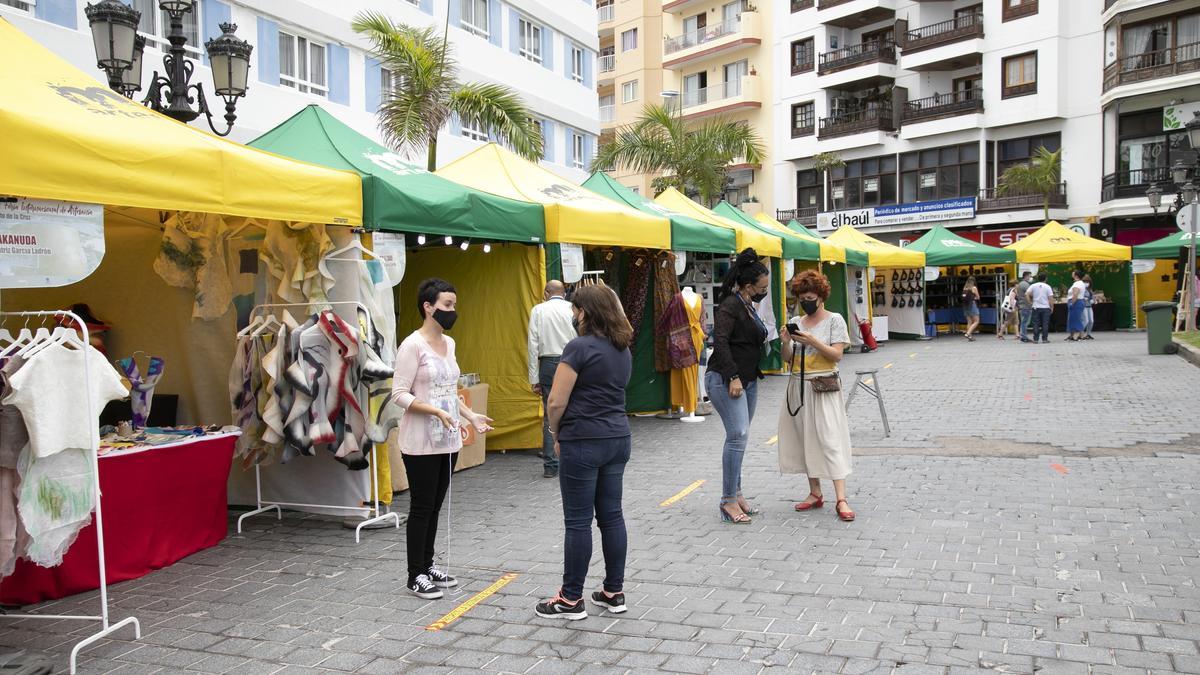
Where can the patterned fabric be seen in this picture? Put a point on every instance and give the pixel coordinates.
(666, 291)
(675, 324)
(636, 286)
(141, 392)
(192, 255)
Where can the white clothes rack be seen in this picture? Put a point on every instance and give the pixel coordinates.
(375, 513)
(105, 627)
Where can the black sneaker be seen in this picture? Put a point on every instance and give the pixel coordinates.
(614, 604)
(550, 473)
(440, 578)
(557, 608)
(423, 587)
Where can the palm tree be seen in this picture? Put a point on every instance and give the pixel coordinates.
(823, 162)
(1039, 177)
(695, 159)
(429, 92)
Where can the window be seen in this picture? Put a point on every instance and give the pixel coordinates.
(939, 173)
(389, 82)
(475, 17)
(802, 56)
(1145, 152)
(472, 133)
(1020, 75)
(1160, 42)
(531, 40)
(731, 13)
(808, 190)
(26, 6)
(968, 88)
(804, 119)
(693, 27)
(1019, 150)
(629, 40)
(577, 64)
(629, 91)
(733, 74)
(1015, 9)
(695, 89)
(577, 150)
(864, 182)
(302, 64)
(155, 24)
(636, 190)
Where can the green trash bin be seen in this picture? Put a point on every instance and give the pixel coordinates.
(1159, 315)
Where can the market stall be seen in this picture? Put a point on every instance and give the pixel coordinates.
(1156, 267)
(949, 261)
(892, 286)
(835, 261)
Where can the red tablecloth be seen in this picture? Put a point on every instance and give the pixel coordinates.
(160, 506)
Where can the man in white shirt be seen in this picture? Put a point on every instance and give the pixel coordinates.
(1041, 298)
(551, 327)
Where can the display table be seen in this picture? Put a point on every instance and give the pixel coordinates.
(161, 504)
(1104, 316)
(474, 450)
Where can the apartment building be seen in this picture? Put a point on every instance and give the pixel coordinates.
(305, 52)
(928, 102)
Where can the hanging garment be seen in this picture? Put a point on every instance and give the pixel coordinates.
(636, 286)
(292, 253)
(192, 255)
(245, 388)
(666, 290)
(673, 322)
(685, 382)
(141, 393)
(57, 495)
(13, 439)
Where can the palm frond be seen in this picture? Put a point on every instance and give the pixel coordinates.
(499, 111)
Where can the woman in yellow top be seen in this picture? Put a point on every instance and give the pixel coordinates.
(814, 434)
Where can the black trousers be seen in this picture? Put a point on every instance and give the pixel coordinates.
(428, 480)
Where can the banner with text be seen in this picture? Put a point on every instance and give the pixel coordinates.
(899, 214)
(47, 243)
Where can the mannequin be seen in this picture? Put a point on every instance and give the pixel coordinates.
(685, 382)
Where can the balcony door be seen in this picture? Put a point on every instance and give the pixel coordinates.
(730, 13)
(694, 25)
(695, 89)
(877, 39)
(968, 88)
(734, 72)
(1147, 44)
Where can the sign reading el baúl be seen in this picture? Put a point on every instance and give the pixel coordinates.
(46, 242)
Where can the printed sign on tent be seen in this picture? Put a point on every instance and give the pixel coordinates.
(389, 251)
(1142, 266)
(572, 262)
(45, 242)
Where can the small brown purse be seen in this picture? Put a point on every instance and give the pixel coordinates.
(823, 384)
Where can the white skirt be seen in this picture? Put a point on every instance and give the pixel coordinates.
(816, 441)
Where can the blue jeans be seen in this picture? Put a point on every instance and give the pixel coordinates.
(590, 478)
(736, 414)
(1089, 319)
(1024, 314)
(1041, 324)
(546, 367)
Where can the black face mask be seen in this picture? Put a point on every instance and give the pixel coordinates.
(445, 318)
(758, 297)
(809, 306)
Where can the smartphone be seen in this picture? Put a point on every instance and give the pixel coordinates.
(794, 328)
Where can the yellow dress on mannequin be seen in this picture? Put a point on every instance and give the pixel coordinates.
(685, 383)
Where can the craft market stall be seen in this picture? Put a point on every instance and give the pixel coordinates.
(1156, 267)
(891, 287)
(949, 261)
(835, 262)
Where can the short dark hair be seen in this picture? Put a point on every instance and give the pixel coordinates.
(1026, 273)
(1042, 276)
(1078, 274)
(429, 291)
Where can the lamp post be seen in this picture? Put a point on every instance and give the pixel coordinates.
(119, 53)
(1185, 197)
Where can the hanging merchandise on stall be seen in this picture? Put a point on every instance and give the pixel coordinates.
(893, 286)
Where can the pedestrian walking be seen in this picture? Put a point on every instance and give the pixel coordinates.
(592, 439)
(1089, 317)
(1076, 321)
(1041, 298)
(814, 434)
(550, 330)
(1024, 308)
(1006, 313)
(426, 387)
(732, 376)
(970, 305)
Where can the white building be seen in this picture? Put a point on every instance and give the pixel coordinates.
(305, 52)
(928, 103)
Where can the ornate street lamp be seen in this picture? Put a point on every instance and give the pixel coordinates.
(119, 53)
(1185, 197)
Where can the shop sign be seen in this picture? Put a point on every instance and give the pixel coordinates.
(1175, 117)
(932, 273)
(899, 214)
(572, 262)
(680, 262)
(389, 251)
(45, 242)
(1142, 266)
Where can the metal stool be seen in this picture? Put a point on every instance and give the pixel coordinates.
(871, 386)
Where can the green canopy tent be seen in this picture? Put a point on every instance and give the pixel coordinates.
(687, 234)
(854, 257)
(398, 196)
(795, 247)
(1167, 247)
(943, 248)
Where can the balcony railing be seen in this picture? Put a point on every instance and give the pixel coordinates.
(826, 4)
(800, 5)
(606, 12)
(702, 35)
(991, 199)
(804, 216)
(875, 51)
(608, 113)
(1134, 183)
(608, 63)
(1153, 65)
(1009, 12)
(965, 27)
(718, 92)
(856, 122)
(939, 106)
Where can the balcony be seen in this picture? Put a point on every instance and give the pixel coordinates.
(1027, 8)
(606, 13)
(826, 4)
(722, 98)
(966, 27)
(1134, 183)
(608, 114)
(876, 51)
(608, 63)
(990, 199)
(801, 5)
(1153, 65)
(854, 14)
(710, 40)
(940, 106)
(856, 122)
(805, 216)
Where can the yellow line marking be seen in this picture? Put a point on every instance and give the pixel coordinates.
(773, 440)
(868, 382)
(479, 597)
(912, 355)
(683, 493)
(886, 366)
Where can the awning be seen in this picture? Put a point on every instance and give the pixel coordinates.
(747, 237)
(943, 247)
(573, 215)
(398, 196)
(1054, 243)
(687, 234)
(1167, 247)
(880, 254)
(795, 247)
(69, 137)
(830, 252)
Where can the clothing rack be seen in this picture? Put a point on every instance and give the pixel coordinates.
(106, 628)
(265, 505)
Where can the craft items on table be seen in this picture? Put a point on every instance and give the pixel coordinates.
(141, 387)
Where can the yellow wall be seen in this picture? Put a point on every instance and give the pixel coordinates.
(1150, 286)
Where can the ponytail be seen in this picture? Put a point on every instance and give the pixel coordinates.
(746, 269)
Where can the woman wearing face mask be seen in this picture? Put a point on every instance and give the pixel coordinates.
(814, 435)
(732, 376)
(426, 387)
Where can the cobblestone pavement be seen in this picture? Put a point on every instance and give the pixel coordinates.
(1077, 552)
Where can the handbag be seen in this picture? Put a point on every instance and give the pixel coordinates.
(821, 384)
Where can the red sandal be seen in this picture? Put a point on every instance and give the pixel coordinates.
(808, 506)
(847, 516)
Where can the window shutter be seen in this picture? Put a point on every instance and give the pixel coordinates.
(455, 13)
(589, 68)
(568, 154)
(61, 12)
(426, 6)
(567, 58)
(339, 73)
(214, 13)
(588, 151)
(373, 88)
(547, 48)
(495, 31)
(514, 31)
(268, 51)
(548, 132)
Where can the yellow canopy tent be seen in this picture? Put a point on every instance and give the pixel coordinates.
(763, 243)
(830, 252)
(573, 214)
(69, 137)
(1054, 243)
(881, 254)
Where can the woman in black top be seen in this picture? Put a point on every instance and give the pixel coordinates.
(732, 377)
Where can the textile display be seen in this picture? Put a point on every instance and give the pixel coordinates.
(666, 290)
(648, 390)
(496, 294)
(141, 387)
(634, 290)
(192, 256)
(292, 253)
(685, 380)
(186, 485)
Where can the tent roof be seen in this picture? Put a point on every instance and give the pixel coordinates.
(795, 247)
(795, 226)
(747, 237)
(1054, 243)
(830, 252)
(943, 247)
(687, 234)
(397, 195)
(1167, 247)
(880, 254)
(67, 136)
(573, 214)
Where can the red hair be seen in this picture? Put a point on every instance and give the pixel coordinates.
(811, 281)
